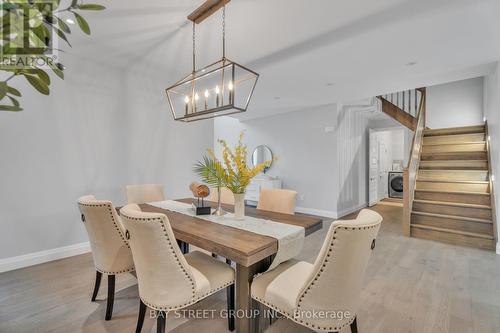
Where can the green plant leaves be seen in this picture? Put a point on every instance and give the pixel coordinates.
(82, 23)
(40, 17)
(90, 6)
(13, 100)
(64, 27)
(38, 84)
(10, 108)
(62, 36)
(13, 91)
(43, 76)
(3, 89)
(58, 72)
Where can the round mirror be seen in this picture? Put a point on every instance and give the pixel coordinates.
(261, 154)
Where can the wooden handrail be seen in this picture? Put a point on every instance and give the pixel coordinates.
(411, 170)
(403, 106)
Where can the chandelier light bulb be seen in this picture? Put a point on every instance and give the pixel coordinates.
(217, 90)
(196, 97)
(186, 99)
(230, 85)
(206, 93)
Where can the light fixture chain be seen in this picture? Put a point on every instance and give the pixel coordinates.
(224, 33)
(194, 47)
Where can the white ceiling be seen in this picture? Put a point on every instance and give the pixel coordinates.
(359, 47)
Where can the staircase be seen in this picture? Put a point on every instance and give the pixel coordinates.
(403, 106)
(452, 197)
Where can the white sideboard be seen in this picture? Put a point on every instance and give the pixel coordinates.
(253, 189)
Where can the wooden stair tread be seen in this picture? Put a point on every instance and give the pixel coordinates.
(451, 231)
(453, 192)
(454, 138)
(455, 143)
(454, 204)
(455, 181)
(454, 170)
(453, 165)
(455, 130)
(454, 217)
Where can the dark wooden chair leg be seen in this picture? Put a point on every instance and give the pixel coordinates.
(230, 307)
(140, 319)
(214, 255)
(183, 246)
(228, 261)
(98, 277)
(111, 296)
(160, 322)
(272, 316)
(354, 325)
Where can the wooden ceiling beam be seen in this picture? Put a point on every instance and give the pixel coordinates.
(208, 8)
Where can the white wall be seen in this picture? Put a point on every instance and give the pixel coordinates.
(321, 151)
(455, 104)
(492, 114)
(99, 130)
(306, 153)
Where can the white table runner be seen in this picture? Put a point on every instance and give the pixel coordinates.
(290, 237)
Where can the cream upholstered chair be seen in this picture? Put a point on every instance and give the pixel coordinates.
(226, 196)
(277, 200)
(169, 280)
(143, 193)
(331, 285)
(110, 250)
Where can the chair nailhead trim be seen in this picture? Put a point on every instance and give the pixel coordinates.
(130, 269)
(191, 302)
(193, 283)
(318, 275)
(108, 206)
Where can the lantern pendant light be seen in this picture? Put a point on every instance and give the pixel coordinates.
(219, 89)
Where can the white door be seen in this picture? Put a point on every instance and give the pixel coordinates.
(373, 169)
(383, 170)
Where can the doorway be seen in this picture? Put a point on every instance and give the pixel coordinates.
(386, 158)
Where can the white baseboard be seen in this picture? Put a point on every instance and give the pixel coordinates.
(349, 210)
(30, 259)
(317, 212)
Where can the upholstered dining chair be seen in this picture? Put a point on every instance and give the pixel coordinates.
(277, 200)
(329, 288)
(110, 250)
(143, 193)
(226, 196)
(169, 280)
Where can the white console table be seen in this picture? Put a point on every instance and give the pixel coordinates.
(258, 183)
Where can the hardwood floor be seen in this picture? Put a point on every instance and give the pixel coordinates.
(412, 285)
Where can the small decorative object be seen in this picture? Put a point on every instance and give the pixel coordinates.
(212, 172)
(232, 172)
(200, 191)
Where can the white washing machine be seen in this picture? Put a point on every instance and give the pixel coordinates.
(395, 184)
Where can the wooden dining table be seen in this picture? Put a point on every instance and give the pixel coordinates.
(251, 252)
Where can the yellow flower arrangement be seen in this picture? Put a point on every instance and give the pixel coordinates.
(233, 171)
